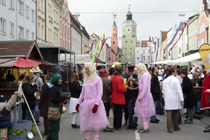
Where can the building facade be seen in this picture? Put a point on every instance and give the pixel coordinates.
(76, 35)
(114, 43)
(203, 24)
(18, 19)
(192, 27)
(65, 24)
(85, 40)
(128, 39)
(41, 21)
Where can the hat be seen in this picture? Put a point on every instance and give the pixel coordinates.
(35, 69)
(2, 98)
(119, 69)
(102, 71)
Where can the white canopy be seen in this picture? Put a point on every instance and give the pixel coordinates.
(163, 62)
(79, 59)
(185, 60)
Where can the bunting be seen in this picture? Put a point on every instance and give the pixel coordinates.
(185, 25)
(180, 25)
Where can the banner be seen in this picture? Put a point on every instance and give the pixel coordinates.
(180, 25)
(185, 25)
(205, 56)
(157, 49)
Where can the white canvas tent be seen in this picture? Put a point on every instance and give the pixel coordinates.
(185, 60)
(79, 59)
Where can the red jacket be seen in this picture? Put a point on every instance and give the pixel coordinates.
(204, 96)
(118, 90)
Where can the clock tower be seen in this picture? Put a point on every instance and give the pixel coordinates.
(128, 39)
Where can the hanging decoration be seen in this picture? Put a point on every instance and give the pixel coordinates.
(101, 49)
(91, 46)
(185, 25)
(180, 25)
(95, 51)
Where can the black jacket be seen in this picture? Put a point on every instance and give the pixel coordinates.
(188, 91)
(29, 91)
(56, 95)
(155, 88)
(132, 93)
(197, 91)
(75, 89)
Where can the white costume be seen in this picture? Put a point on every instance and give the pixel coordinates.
(172, 93)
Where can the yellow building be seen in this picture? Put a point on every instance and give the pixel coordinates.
(85, 40)
(48, 21)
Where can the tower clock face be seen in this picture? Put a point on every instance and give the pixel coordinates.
(128, 30)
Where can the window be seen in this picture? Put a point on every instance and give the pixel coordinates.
(32, 15)
(143, 51)
(21, 32)
(113, 42)
(11, 29)
(137, 58)
(148, 58)
(131, 41)
(3, 26)
(27, 34)
(11, 4)
(27, 12)
(42, 32)
(42, 5)
(32, 36)
(126, 41)
(38, 30)
(3, 2)
(21, 7)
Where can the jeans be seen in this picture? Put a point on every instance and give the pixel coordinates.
(37, 111)
(198, 106)
(159, 107)
(153, 118)
(131, 104)
(28, 115)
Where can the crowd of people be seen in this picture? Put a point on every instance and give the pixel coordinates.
(135, 91)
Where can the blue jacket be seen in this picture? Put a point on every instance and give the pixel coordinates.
(5, 118)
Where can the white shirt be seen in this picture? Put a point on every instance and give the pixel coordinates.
(172, 93)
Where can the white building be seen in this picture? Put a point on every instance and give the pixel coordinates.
(142, 52)
(18, 19)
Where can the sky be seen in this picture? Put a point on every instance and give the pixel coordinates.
(151, 16)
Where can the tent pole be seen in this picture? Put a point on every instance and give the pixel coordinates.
(31, 113)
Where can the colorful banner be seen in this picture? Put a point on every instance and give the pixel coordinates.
(185, 25)
(157, 49)
(91, 46)
(205, 56)
(95, 51)
(101, 49)
(180, 25)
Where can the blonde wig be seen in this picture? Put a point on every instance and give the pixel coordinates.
(92, 69)
(141, 68)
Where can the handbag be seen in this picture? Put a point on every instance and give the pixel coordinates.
(54, 112)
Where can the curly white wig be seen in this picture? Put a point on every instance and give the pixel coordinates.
(141, 70)
(92, 69)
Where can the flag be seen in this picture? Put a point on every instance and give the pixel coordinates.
(180, 25)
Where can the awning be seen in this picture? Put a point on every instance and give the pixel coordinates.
(163, 62)
(46, 64)
(79, 59)
(185, 60)
(7, 62)
(25, 63)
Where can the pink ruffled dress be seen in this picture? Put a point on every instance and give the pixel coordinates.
(92, 94)
(144, 108)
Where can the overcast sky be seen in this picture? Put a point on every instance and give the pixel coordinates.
(96, 15)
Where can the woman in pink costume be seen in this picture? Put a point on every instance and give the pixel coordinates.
(93, 114)
(144, 107)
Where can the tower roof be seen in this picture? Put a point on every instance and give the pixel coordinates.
(114, 25)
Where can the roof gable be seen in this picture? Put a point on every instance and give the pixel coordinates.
(27, 49)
